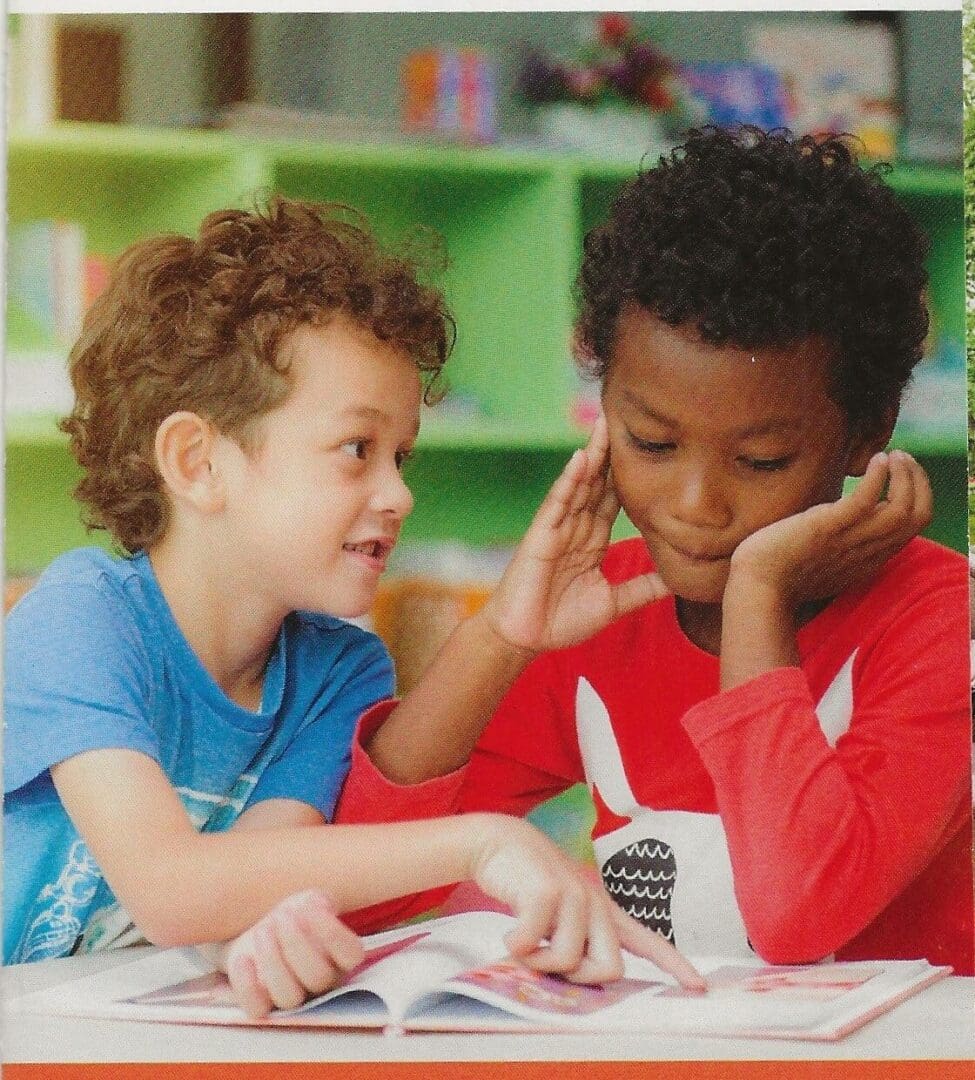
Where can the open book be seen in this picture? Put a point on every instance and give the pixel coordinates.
(453, 974)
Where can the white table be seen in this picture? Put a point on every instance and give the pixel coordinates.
(938, 1023)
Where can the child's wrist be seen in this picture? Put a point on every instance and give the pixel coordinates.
(492, 637)
(749, 600)
(749, 589)
(475, 838)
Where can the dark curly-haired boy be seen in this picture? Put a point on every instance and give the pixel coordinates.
(778, 752)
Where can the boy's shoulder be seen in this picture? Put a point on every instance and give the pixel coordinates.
(86, 565)
(87, 602)
(922, 564)
(85, 572)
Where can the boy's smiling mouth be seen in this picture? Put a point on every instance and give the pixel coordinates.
(375, 551)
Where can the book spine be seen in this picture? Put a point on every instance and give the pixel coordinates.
(68, 250)
(30, 281)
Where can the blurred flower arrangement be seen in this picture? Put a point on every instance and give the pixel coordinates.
(615, 66)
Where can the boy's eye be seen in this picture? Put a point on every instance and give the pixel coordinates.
(402, 457)
(355, 448)
(767, 464)
(649, 446)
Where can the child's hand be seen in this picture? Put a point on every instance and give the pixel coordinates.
(553, 593)
(299, 949)
(554, 899)
(824, 550)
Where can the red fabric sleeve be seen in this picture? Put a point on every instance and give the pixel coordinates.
(370, 797)
(527, 754)
(834, 835)
(522, 759)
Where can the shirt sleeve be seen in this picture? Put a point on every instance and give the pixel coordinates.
(521, 759)
(77, 677)
(314, 763)
(526, 754)
(370, 796)
(822, 839)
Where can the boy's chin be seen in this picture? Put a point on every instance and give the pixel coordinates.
(343, 607)
(693, 584)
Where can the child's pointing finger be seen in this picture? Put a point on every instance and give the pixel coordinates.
(638, 939)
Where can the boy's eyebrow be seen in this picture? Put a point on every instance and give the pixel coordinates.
(639, 404)
(369, 412)
(366, 412)
(767, 427)
(770, 427)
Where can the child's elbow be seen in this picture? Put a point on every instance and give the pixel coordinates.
(790, 937)
(164, 920)
(166, 910)
(167, 929)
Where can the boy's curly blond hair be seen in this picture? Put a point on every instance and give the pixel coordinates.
(199, 325)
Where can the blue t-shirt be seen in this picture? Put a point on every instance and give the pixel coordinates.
(95, 660)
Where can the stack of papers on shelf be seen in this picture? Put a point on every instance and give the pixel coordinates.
(452, 974)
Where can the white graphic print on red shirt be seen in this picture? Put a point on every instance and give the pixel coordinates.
(670, 869)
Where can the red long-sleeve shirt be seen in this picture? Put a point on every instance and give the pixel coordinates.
(813, 810)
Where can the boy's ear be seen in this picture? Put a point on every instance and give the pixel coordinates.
(864, 446)
(184, 457)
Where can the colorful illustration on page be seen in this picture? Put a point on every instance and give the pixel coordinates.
(539, 990)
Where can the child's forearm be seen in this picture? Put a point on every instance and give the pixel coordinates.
(437, 724)
(758, 631)
(211, 887)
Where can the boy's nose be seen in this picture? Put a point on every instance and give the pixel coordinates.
(700, 499)
(392, 494)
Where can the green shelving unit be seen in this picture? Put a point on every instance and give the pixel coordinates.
(512, 223)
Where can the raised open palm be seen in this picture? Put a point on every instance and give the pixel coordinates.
(553, 593)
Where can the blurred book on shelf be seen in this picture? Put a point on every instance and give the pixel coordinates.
(840, 77)
(451, 93)
(52, 277)
(733, 92)
(933, 405)
(31, 71)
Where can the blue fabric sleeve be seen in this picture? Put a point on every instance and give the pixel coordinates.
(313, 766)
(76, 678)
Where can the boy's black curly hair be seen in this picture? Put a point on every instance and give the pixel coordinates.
(760, 240)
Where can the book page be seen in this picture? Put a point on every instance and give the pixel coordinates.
(803, 1002)
(404, 965)
(399, 966)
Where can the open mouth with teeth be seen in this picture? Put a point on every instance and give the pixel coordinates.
(374, 549)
